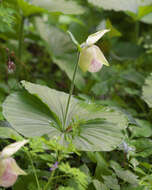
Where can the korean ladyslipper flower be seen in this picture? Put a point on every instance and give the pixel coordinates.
(91, 57)
(9, 170)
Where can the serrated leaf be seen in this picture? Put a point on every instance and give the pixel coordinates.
(111, 182)
(125, 175)
(91, 127)
(98, 185)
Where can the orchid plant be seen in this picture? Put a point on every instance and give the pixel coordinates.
(41, 111)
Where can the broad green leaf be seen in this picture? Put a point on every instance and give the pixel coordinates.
(121, 5)
(63, 6)
(33, 117)
(147, 19)
(28, 9)
(147, 91)
(61, 49)
(7, 132)
(91, 127)
(125, 175)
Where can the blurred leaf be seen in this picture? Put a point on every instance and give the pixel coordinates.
(63, 6)
(121, 5)
(113, 31)
(28, 9)
(143, 147)
(102, 165)
(127, 50)
(125, 175)
(133, 76)
(7, 18)
(147, 19)
(68, 19)
(62, 50)
(144, 129)
(144, 11)
(6, 131)
(147, 91)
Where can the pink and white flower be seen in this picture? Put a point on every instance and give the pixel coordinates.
(9, 170)
(91, 57)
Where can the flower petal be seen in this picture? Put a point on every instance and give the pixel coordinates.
(85, 58)
(93, 38)
(91, 58)
(99, 55)
(95, 66)
(9, 150)
(10, 172)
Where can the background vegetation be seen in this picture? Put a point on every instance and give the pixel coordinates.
(35, 46)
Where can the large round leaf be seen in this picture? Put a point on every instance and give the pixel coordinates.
(91, 127)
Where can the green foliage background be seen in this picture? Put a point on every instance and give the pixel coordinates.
(33, 35)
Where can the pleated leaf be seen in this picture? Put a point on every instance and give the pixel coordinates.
(91, 127)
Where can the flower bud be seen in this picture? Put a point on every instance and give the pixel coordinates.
(92, 59)
(9, 171)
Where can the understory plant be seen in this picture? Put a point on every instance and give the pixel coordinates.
(87, 126)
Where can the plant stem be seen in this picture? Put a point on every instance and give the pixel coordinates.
(21, 38)
(71, 91)
(50, 180)
(34, 170)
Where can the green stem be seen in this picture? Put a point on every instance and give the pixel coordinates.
(34, 170)
(50, 180)
(21, 38)
(71, 91)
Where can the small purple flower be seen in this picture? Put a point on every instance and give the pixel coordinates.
(54, 166)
